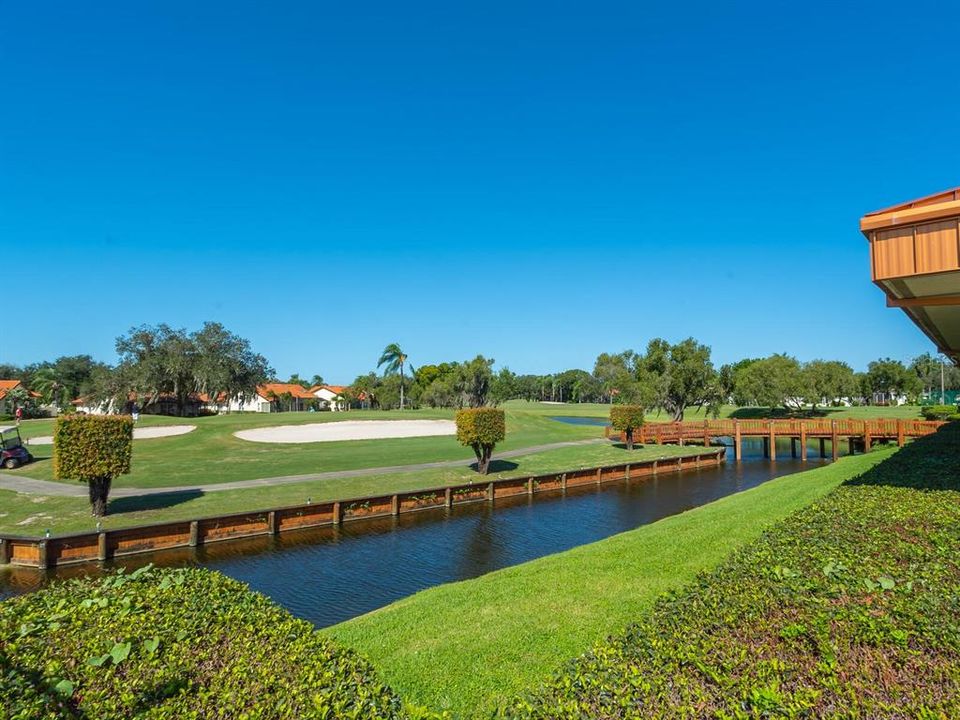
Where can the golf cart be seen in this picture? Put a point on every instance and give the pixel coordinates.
(12, 452)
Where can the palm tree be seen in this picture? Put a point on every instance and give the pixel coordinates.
(394, 358)
(46, 382)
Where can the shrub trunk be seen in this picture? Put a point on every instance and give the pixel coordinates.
(483, 453)
(99, 490)
(628, 433)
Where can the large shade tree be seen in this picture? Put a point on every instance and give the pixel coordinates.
(393, 360)
(678, 376)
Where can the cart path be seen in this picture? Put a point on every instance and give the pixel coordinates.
(22, 484)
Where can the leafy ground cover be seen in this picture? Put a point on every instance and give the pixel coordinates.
(849, 608)
(174, 644)
(22, 514)
(467, 647)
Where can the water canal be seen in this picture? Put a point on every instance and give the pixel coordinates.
(328, 575)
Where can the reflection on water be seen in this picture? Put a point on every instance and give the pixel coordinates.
(328, 575)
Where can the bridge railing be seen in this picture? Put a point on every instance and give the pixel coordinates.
(671, 432)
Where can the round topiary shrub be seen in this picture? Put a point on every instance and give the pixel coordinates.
(481, 428)
(626, 419)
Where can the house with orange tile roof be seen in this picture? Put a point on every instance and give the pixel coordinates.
(6, 387)
(331, 396)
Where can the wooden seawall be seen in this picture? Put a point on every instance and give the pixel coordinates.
(42, 552)
(799, 431)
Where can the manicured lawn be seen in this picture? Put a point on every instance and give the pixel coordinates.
(211, 454)
(847, 609)
(30, 515)
(470, 646)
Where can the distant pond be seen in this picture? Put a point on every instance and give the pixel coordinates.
(572, 420)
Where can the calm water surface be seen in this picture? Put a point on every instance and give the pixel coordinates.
(329, 575)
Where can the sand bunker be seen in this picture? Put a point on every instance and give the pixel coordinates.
(349, 430)
(146, 433)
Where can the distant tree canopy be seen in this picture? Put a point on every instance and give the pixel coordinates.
(160, 360)
(892, 378)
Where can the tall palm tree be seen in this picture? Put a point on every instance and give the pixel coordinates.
(46, 382)
(394, 358)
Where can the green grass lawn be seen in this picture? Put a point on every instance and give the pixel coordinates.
(30, 515)
(468, 647)
(211, 454)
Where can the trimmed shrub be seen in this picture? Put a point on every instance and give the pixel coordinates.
(939, 412)
(185, 643)
(481, 429)
(848, 609)
(93, 449)
(626, 419)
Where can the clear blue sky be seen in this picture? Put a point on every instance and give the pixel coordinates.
(538, 182)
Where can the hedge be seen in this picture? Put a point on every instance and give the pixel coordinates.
(92, 446)
(849, 608)
(185, 643)
(481, 428)
(93, 449)
(940, 412)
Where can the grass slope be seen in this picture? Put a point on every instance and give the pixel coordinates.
(847, 609)
(470, 646)
(22, 514)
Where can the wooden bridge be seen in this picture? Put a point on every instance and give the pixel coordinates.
(856, 432)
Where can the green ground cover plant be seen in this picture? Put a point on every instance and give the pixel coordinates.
(174, 644)
(468, 647)
(846, 609)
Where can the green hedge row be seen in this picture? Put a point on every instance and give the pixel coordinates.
(174, 644)
(850, 608)
(940, 412)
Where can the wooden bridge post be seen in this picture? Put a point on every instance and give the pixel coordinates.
(706, 434)
(867, 437)
(772, 440)
(679, 429)
(900, 433)
(803, 442)
(737, 449)
(643, 434)
(5, 552)
(834, 440)
(659, 435)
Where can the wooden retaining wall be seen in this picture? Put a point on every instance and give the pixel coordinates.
(98, 546)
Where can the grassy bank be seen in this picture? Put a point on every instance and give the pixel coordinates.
(32, 514)
(847, 609)
(470, 646)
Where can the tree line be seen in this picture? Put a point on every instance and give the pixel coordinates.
(161, 361)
